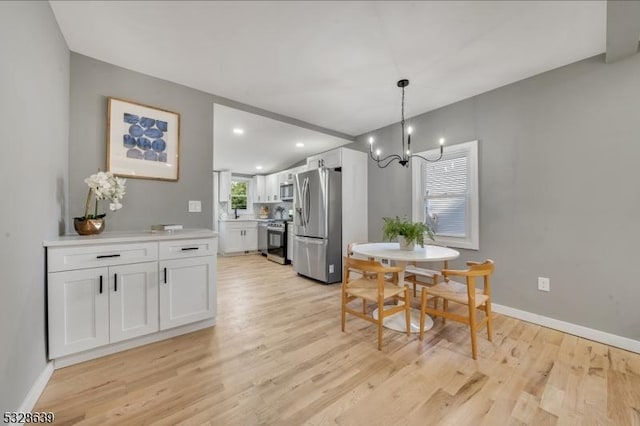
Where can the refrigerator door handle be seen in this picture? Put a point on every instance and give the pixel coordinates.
(307, 203)
(305, 186)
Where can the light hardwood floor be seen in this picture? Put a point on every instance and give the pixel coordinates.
(277, 357)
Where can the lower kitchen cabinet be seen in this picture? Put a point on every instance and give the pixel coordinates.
(238, 236)
(143, 290)
(187, 292)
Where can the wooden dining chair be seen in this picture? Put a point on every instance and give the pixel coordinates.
(465, 294)
(357, 285)
(429, 277)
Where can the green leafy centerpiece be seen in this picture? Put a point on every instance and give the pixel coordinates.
(408, 233)
(102, 186)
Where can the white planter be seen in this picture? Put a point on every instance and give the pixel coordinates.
(404, 245)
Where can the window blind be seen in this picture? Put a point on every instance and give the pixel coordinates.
(446, 198)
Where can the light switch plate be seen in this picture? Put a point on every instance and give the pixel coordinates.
(195, 206)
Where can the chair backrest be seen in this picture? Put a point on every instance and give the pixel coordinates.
(476, 269)
(366, 267)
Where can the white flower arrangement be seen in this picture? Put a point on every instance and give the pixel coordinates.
(105, 186)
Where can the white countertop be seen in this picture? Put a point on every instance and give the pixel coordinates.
(129, 236)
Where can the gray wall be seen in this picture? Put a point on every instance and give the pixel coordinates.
(34, 105)
(147, 201)
(558, 170)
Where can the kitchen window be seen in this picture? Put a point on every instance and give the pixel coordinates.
(445, 195)
(239, 194)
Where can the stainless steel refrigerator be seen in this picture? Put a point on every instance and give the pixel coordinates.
(318, 225)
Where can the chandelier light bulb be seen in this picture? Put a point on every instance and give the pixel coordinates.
(378, 152)
(408, 152)
(371, 141)
(409, 130)
(441, 141)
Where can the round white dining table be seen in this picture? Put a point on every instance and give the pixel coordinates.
(401, 257)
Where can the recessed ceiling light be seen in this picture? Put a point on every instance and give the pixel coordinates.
(238, 131)
(299, 144)
(258, 167)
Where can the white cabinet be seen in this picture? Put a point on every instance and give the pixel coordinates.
(330, 159)
(224, 190)
(272, 188)
(187, 291)
(238, 237)
(100, 293)
(78, 311)
(259, 189)
(133, 300)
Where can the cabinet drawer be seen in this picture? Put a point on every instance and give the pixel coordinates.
(234, 225)
(188, 248)
(82, 257)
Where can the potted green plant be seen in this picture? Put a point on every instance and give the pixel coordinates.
(408, 233)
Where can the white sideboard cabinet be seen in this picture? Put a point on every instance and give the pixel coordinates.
(115, 291)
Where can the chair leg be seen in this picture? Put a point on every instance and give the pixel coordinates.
(364, 306)
(445, 307)
(344, 312)
(489, 320)
(407, 310)
(380, 320)
(472, 329)
(414, 289)
(423, 307)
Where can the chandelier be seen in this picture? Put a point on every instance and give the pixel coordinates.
(406, 155)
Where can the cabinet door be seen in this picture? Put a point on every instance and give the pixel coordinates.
(133, 300)
(258, 189)
(233, 240)
(224, 190)
(78, 310)
(187, 291)
(251, 238)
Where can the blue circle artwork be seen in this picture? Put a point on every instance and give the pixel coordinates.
(131, 118)
(144, 143)
(145, 139)
(128, 141)
(136, 131)
(158, 145)
(147, 122)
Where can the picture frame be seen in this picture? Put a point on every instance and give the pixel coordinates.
(143, 142)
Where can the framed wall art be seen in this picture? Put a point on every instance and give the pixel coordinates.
(142, 141)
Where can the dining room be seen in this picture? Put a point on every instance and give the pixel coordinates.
(478, 196)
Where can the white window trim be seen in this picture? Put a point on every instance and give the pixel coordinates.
(472, 241)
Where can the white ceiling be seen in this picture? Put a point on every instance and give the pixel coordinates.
(335, 64)
(265, 142)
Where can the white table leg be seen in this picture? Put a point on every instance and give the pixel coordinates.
(397, 321)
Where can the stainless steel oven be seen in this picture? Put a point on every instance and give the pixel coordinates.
(277, 242)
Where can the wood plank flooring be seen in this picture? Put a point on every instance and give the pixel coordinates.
(277, 357)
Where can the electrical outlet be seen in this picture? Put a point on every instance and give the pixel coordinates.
(544, 284)
(195, 206)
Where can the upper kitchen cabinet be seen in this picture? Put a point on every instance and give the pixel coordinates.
(259, 189)
(272, 188)
(224, 191)
(330, 159)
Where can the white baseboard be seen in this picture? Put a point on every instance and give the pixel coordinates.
(65, 361)
(37, 389)
(567, 327)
